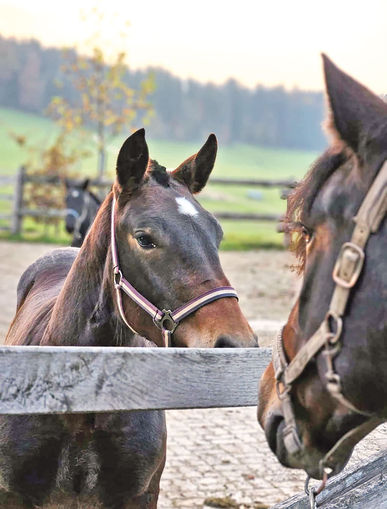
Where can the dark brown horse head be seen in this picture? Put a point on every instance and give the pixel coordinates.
(321, 215)
(168, 246)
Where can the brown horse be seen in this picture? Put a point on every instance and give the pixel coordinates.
(327, 385)
(166, 245)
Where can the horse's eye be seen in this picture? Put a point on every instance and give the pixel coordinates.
(306, 233)
(145, 241)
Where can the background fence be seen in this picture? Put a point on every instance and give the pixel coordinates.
(19, 212)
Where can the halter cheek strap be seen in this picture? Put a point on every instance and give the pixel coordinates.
(165, 319)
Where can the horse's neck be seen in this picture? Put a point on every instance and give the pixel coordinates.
(84, 312)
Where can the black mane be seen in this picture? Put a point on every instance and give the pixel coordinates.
(300, 201)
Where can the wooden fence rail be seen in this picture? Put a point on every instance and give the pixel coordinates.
(39, 380)
(289, 183)
(363, 487)
(15, 219)
(47, 380)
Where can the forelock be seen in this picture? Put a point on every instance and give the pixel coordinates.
(158, 173)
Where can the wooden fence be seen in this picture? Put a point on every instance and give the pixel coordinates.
(36, 379)
(363, 487)
(15, 217)
(46, 380)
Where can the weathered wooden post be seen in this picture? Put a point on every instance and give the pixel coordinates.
(281, 227)
(17, 218)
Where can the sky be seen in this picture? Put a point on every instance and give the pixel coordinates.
(272, 42)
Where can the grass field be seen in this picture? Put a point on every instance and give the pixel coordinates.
(234, 161)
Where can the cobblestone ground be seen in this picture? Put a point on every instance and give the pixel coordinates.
(219, 453)
(222, 453)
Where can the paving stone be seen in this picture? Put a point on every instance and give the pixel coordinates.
(222, 464)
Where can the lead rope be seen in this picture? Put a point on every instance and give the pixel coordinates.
(350, 439)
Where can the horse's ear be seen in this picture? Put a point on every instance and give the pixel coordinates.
(357, 115)
(85, 184)
(132, 161)
(195, 170)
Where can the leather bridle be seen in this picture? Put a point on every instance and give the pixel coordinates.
(346, 273)
(165, 320)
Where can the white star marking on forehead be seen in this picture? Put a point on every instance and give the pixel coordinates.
(186, 207)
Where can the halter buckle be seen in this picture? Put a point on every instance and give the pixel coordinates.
(348, 265)
(117, 277)
(166, 322)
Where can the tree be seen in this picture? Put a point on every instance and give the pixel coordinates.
(104, 102)
(51, 165)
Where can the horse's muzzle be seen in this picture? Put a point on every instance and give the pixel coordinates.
(307, 459)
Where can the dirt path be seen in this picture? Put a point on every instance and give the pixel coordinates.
(14, 259)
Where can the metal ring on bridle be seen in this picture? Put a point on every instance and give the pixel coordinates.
(333, 335)
(313, 492)
(117, 275)
(166, 322)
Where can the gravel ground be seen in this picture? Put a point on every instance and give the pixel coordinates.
(218, 453)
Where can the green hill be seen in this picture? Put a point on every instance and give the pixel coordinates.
(234, 161)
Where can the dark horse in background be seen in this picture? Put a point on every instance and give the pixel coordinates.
(315, 412)
(168, 250)
(81, 208)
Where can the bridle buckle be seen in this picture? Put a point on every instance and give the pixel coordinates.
(348, 265)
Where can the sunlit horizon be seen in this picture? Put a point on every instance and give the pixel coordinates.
(255, 43)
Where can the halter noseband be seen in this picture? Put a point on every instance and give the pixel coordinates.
(346, 272)
(165, 319)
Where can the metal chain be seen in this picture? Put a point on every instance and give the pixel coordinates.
(313, 492)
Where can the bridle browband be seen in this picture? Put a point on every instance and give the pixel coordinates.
(346, 272)
(165, 320)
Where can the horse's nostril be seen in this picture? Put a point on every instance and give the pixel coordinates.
(225, 342)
